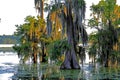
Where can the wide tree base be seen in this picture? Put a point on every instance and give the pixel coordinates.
(65, 66)
(70, 62)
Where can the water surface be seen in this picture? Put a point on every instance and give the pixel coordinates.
(10, 69)
(8, 65)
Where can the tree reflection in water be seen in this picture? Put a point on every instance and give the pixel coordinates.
(45, 72)
(52, 72)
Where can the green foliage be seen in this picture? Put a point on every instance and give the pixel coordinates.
(81, 3)
(92, 50)
(57, 48)
(30, 34)
(23, 51)
(105, 18)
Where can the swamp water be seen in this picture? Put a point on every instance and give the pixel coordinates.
(10, 69)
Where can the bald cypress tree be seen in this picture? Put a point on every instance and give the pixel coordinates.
(71, 14)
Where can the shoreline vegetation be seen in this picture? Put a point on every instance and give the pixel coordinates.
(6, 49)
(9, 39)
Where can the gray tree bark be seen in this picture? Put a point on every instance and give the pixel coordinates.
(70, 61)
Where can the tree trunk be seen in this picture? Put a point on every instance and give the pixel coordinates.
(43, 53)
(41, 8)
(35, 53)
(107, 59)
(35, 58)
(70, 61)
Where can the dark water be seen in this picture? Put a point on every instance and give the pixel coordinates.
(10, 69)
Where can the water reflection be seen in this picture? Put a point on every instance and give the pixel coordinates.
(10, 69)
(8, 65)
(45, 72)
(106, 74)
(52, 72)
